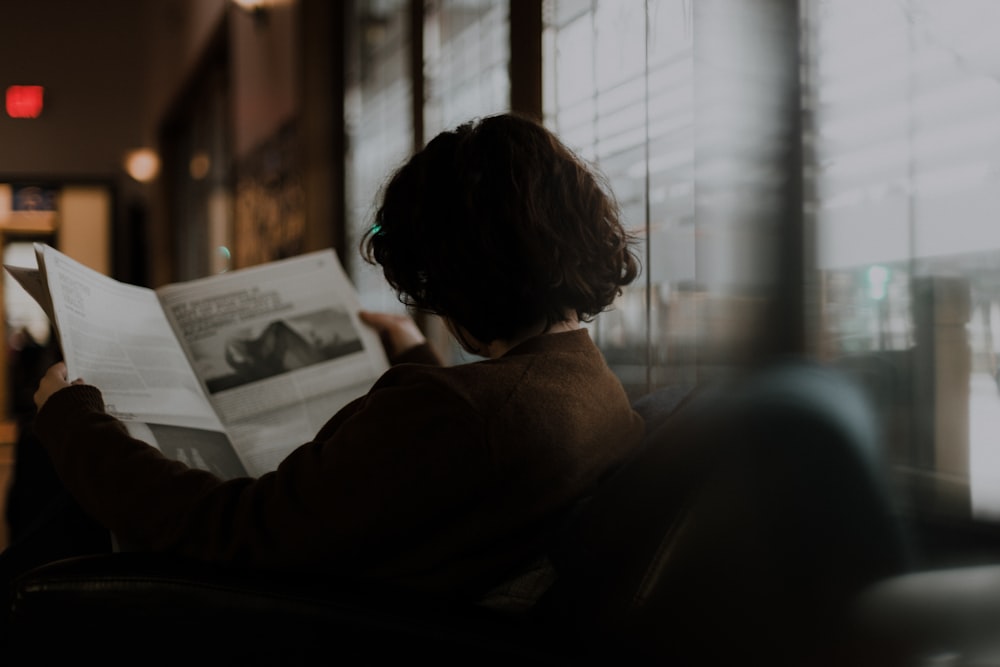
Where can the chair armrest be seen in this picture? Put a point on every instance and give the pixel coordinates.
(949, 611)
(143, 600)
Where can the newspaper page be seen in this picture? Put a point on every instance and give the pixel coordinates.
(278, 349)
(34, 284)
(116, 337)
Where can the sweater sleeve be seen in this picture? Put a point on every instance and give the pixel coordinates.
(106, 469)
(328, 499)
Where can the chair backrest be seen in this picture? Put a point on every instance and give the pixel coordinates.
(743, 528)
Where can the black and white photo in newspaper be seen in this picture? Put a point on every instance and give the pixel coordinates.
(279, 348)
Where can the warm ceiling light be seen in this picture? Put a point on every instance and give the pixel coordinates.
(199, 165)
(256, 8)
(142, 164)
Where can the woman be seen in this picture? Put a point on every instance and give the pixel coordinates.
(441, 479)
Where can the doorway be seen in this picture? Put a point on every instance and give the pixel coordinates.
(77, 220)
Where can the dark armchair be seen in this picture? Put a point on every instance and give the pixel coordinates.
(745, 531)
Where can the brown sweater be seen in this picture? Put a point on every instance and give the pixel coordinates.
(444, 479)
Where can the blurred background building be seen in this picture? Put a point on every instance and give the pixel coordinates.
(808, 177)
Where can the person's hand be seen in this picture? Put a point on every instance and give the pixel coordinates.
(53, 380)
(398, 333)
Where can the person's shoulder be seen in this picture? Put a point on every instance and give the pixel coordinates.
(480, 385)
(559, 369)
(449, 397)
(428, 381)
(573, 342)
(567, 351)
(547, 362)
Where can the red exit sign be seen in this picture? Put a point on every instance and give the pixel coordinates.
(24, 101)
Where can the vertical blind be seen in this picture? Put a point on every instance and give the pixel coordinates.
(379, 126)
(683, 106)
(466, 61)
(618, 89)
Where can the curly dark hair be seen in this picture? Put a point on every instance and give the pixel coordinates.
(498, 226)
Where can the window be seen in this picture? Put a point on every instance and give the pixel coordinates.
(618, 89)
(905, 110)
(197, 168)
(379, 122)
(466, 61)
(824, 166)
(681, 105)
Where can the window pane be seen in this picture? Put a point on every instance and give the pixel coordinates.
(907, 127)
(379, 127)
(618, 90)
(466, 61)
(680, 104)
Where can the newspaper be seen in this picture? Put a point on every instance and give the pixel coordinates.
(227, 373)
